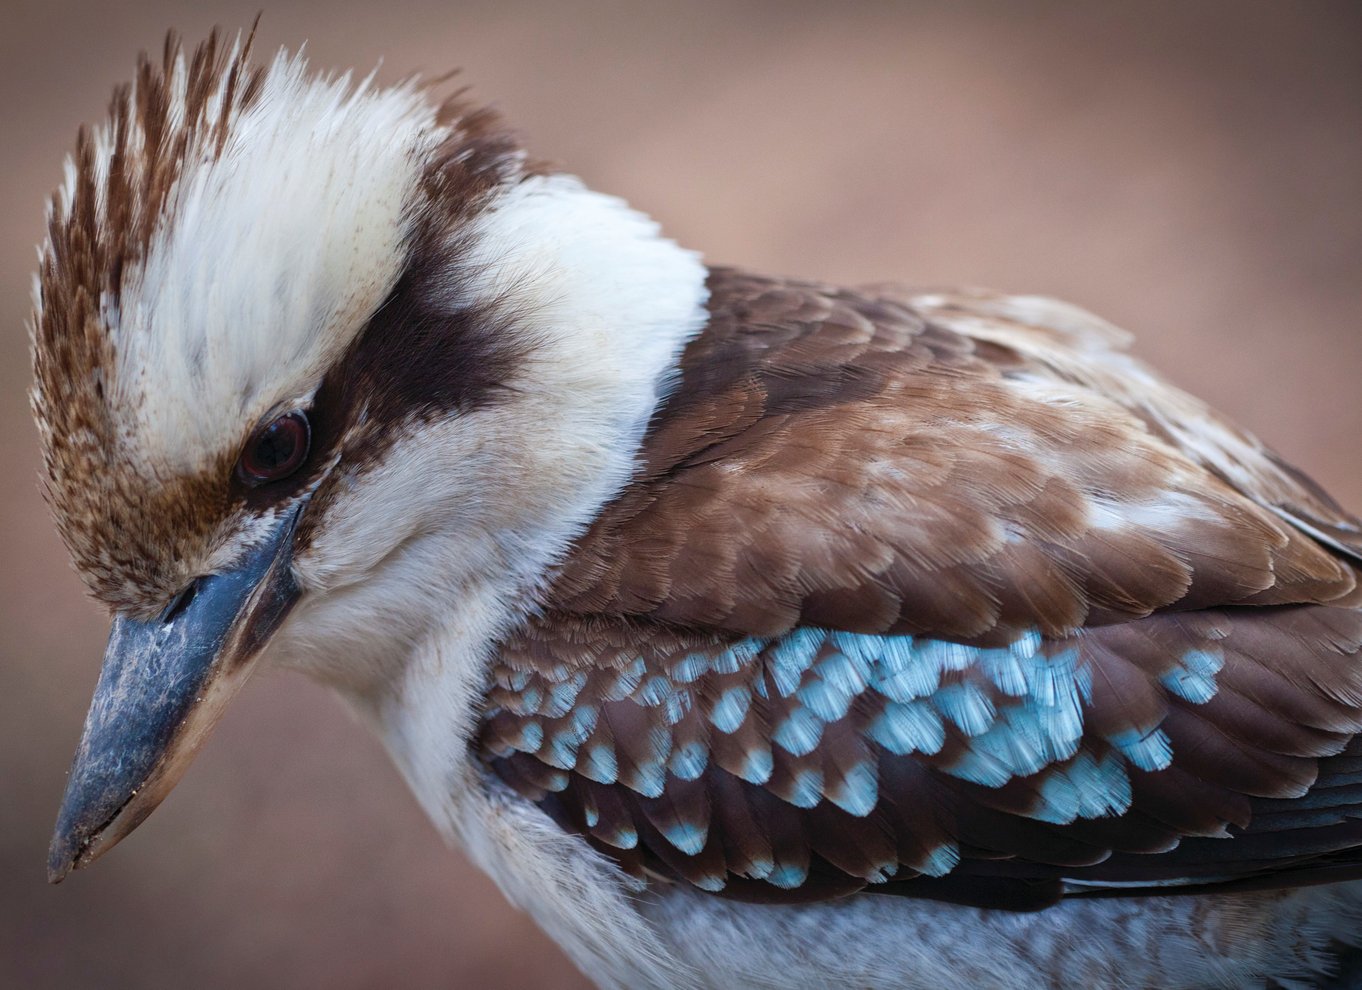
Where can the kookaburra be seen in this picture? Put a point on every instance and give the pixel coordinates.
(748, 631)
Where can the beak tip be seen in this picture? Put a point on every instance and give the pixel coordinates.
(61, 860)
(72, 847)
(162, 686)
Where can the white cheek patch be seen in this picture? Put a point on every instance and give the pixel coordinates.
(608, 304)
(478, 506)
(610, 300)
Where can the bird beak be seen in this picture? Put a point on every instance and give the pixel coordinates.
(164, 684)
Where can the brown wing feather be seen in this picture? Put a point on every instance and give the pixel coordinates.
(748, 770)
(917, 465)
(1139, 629)
(1083, 349)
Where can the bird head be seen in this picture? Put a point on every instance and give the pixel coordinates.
(321, 368)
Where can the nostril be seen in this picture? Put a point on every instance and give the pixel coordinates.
(179, 603)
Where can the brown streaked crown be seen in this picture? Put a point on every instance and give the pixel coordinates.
(138, 524)
(100, 225)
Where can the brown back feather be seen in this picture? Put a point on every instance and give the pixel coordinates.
(872, 464)
(970, 470)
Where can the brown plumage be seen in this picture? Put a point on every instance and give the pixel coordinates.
(847, 460)
(966, 470)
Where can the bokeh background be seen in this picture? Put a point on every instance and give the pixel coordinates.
(1192, 170)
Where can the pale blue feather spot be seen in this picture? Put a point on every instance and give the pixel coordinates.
(581, 722)
(807, 789)
(676, 706)
(858, 790)
(598, 763)
(882, 872)
(945, 655)
(828, 701)
(1027, 643)
(1042, 727)
(1025, 739)
(1055, 732)
(911, 727)
(1004, 669)
(687, 837)
(655, 690)
(730, 711)
(799, 732)
(965, 705)
(910, 682)
(739, 655)
(791, 657)
(660, 739)
(621, 685)
(939, 861)
(1015, 746)
(1052, 734)
(710, 884)
(514, 680)
(799, 647)
(848, 673)
(757, 765)
(591, 814)
(786, 680)
(1058, 679)
(1083, 682)
(690, 667)
(631, 676)
(647, 779)
(1059, 799)
(529, 736)
(760, 867)
(621, 837)
(688, 761)
(981, 765)
(869, 650)
(1194, 678)
(531, 700)
(561, 751)
(562, 695)
(1103, 785)
(555, 672)
(1149, 751)
(1052, 713)
(555, 780)
(894, 653)
(788, 876)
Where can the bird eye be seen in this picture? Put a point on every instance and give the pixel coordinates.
(276, 450)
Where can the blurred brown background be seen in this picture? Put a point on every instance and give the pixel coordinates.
(1191, 170)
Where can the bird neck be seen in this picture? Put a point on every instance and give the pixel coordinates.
(442, 545)
(581, 899)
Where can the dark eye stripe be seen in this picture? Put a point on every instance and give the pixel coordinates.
(276, 450)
